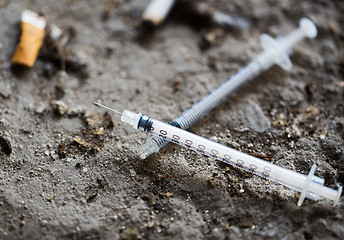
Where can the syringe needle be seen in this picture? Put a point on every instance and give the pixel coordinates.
(110, 109)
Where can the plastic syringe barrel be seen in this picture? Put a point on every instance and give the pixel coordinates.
(275, 52)
(310, 186)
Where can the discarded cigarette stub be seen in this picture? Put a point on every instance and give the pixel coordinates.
(31, 39)
(157, 11)
(218, 17)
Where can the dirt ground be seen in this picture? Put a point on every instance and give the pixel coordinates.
(68, 170)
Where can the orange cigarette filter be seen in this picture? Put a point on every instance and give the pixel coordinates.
(31, 38)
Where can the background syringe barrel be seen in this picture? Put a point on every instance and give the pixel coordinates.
(219, 94)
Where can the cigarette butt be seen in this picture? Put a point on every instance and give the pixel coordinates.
(31, 39)
(156, 11)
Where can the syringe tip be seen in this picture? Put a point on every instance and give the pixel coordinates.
(110, 109)
(309, 27)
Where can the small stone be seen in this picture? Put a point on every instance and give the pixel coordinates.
(129, 234)
(44, 223)
(217, 233)
(132, 173)
(59, 106)
(255, 118)
(245, 224)
(234, 145)
(40, 108)
(168, 194)
(22, 223)
(5, 89)
(311, 113)
(75, 111)
(150, 224)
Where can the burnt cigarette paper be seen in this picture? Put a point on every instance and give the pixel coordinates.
(157, 11)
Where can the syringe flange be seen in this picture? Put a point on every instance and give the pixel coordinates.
(304, 190)
(281, 47)
(305, 193)
(281, 58)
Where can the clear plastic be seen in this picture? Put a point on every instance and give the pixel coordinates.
(276, 51)
(131, 118)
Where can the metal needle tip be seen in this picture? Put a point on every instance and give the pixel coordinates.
(110, 109)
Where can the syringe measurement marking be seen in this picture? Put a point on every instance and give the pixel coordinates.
(214, 154)
(264, 171)
(239, 163)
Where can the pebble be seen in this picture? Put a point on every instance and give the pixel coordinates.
(217, 233)
(60, 107)
(132, 173)
(255, 118)
(75, 111)
(40, 108)
(233, 144)
(5, 89)
(44, 223)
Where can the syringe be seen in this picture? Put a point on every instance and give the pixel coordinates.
(276, 51)
(310, 186)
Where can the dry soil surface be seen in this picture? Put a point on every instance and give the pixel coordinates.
(68, 170)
